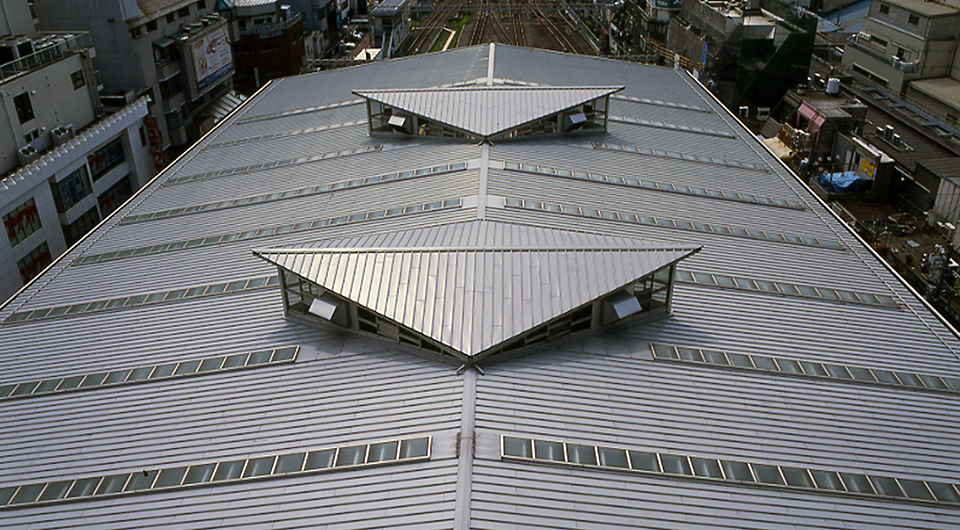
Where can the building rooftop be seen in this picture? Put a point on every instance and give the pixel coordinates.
(946, 89)
(157, 375)
(925, 7)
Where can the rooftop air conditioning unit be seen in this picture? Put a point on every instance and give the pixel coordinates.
(744, 112)
(62, 134)
(763, 113)
(27, 154)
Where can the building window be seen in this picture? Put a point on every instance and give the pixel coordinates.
(183, 12)
(171, 86)
(878, 40)
(152, 25)
(136, 32)
(170, 18)
(174, 119)
(913, 20)
(164, 55)
(884, 9)
(77, 229)
(24, 107)
(202, 4)
(143, 137)
(105, 158)
(115, 196)
(21, 222)
(34, 262)
(77, 79)
(32, 136)
(71, 190)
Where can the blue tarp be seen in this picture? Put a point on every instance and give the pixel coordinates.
(842, 182)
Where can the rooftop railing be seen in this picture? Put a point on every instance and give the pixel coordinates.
(49, 48)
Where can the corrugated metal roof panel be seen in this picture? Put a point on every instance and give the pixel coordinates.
(596, 269)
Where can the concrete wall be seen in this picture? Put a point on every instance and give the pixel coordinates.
(15, 18)
(54, 100)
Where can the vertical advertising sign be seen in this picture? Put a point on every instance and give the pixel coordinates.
(153, 136)
(212, 60)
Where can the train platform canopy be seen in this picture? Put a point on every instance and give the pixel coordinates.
(306, 321)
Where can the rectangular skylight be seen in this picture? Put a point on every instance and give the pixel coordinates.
(268, 231)
(146, 299)
(669, 223)
(284, 354)
(658, 186)
(520, 448)
(228, 471)
(836, 372)
(300, 192)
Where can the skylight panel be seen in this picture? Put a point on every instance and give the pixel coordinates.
(268, 231)
(286, 134)
(668, 223)
(229, 471)
(523, 449)
(836, 372)
(659, 186)
(173, 181)
(297, 112)
(679, 156)
(787, 289)
(271, 356)
(147, 299)
(273, 197)
(672, 127)
(661, 103)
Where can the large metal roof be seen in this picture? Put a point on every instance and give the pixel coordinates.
(487, 110)
(159, 344)
(471, 296)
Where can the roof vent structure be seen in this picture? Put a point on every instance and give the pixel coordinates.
(480, 289)
(487, 112)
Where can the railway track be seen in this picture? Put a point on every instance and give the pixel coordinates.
(424, 35)
(519, 37)
(504, 21)
(480, 20)
(565, 44)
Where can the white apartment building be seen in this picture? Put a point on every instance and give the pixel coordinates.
(64, 162)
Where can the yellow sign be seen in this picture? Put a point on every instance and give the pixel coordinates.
(866, 167)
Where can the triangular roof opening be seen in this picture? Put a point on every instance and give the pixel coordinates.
(487, 112)
(475, 302)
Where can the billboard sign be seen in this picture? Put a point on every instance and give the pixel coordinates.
(153, 133)
(212, 60)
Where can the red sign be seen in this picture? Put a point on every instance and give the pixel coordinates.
(153, 135)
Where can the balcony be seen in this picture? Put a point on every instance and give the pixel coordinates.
(274, 29)
(867, 47)
(50, 48)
